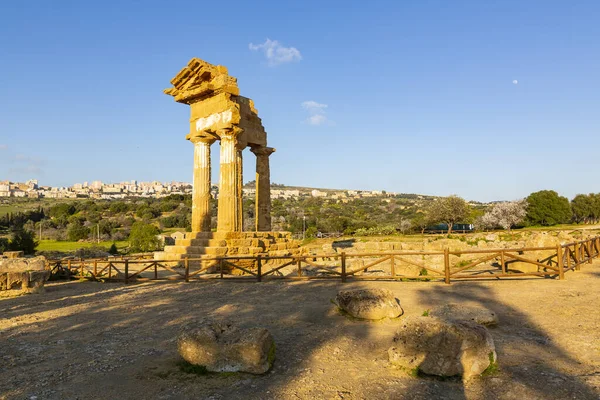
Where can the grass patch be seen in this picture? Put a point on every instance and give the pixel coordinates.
(307, 241)
(64, 246)
(492, 368)
(425, 313)
(271, 355)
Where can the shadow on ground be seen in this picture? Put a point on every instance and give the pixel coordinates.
(98, 341)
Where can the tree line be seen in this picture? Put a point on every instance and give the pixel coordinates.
(105, 220)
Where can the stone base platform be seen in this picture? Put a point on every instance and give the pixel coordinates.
(219, 244)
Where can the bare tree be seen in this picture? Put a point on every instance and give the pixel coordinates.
(449, 210)
(404, 226)
(507, 214)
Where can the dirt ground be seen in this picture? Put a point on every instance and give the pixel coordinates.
(87, 340)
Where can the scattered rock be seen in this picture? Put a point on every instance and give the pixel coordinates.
(13, 254)
(369, 303)
(443, 348)
(22, 275)
(460, 312)
(222, 347)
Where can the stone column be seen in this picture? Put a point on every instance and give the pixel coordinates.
(263, 188)
(228, 191)
(201, 189)
(240, 189)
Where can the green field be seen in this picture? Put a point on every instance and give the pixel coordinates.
(9, 208)
(64, 246)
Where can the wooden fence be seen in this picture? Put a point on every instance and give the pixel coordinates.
(446, 265)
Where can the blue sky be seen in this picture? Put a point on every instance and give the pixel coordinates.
(487, 101)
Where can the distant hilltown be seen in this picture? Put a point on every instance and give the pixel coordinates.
(133, 188)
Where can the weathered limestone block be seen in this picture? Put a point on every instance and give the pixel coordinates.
(22, 275)
(13, 254)
(369, 303)
(460, 312)
(537, 239)
(443, 348)
(222, 347)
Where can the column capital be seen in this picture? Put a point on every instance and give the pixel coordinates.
(202, 139)
(230, 133)
(262, 150)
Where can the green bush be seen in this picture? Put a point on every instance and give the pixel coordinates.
(23, 241)
(76, 231)
(143, 237)
(4, 245)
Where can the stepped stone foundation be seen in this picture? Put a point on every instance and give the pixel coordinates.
(219, 113)
(218, 244)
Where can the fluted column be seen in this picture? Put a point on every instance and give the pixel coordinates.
(239, 186)
(228, 193)
(263, 188)
(201, 189)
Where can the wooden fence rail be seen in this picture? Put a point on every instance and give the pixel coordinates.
(446, 265)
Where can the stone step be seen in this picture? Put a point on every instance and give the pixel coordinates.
(201, 242)
(193, 251)
(239, 235)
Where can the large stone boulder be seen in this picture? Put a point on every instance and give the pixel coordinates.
(222, 347)
(536, 239)
(369, 303)
(459, 312)
(443, 348)
(22, 275)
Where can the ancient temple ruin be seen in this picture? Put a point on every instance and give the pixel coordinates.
(220, 114)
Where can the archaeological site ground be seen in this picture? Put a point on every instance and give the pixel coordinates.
(92, 340)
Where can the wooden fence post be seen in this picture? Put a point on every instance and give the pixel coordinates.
(187, 268)
(126, 272)
(221, 267)
(559, 259)
(502, 262)
(81, 270)
(258, 268)
(393, 266)
(95, 268)
(343, 267)
(447, 265)
(69, 266)
(590, 251)
(299, 262)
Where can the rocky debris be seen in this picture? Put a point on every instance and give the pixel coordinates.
(369, 303)
(443, 348)
(22, 275)
(459, 312)
(13, 254)
(223, 347)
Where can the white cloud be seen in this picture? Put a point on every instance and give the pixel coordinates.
(3, 147)
(316, 112)
(516, 82)
(277, 54)
(313, 106)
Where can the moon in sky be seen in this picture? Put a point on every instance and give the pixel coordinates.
(515, 82)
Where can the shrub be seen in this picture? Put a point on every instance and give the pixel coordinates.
(23, 240)
(76, 231)
(143, 237)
